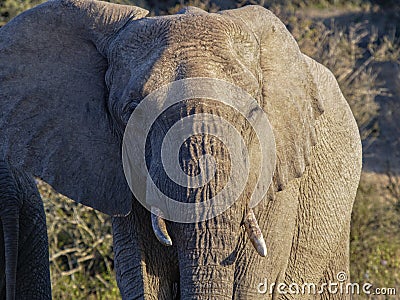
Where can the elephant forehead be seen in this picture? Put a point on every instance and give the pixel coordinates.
(155, 51)
(188, 33)
(152, 52)
(209, 26)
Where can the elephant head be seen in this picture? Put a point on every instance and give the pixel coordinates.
(72, 73)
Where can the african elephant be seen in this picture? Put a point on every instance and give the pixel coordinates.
(74, 72)
(24, 255)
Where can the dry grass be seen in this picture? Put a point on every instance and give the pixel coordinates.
(375, 232)
(349, 53)
(80, 243)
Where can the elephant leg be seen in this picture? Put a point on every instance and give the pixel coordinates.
(33, 275)
(33, 272)
(337, 272)
(2, 266)
(145, 269)
(24, 255)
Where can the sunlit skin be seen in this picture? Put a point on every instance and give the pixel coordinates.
(73, 71)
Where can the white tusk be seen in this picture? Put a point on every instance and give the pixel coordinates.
(255, 234)
(159, 227)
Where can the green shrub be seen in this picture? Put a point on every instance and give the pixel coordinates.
(10, 8)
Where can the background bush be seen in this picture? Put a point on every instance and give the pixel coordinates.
(80, 238)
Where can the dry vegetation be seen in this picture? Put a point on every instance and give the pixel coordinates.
(375, 242)
(80, 243)
(80, 238)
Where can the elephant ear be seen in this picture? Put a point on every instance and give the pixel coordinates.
(54, 118)
(289, 94)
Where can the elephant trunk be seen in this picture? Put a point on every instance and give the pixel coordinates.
(207, 282)
(202, 164)
(206, 253)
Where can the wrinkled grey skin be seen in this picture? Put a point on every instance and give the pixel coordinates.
(72, 72)
(24, 255)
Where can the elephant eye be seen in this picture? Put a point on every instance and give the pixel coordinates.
(247, 47)
(127, 111)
